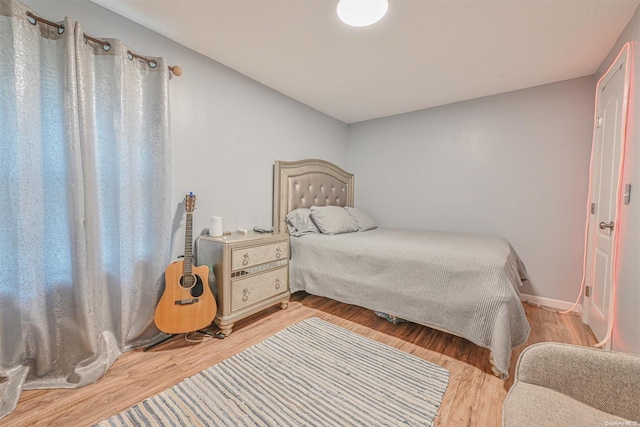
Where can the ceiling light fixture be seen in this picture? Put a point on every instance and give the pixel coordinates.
(360, 13)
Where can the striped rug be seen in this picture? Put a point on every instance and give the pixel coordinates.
(313, 373)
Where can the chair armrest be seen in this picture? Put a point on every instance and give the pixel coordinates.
(605, 380)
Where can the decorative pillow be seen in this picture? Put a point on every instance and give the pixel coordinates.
(299, 222)
(333, 220)
(362, 218)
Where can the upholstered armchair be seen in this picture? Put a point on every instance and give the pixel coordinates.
(566, 385)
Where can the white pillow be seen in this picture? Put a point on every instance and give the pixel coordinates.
(362, 218)
(333, 220)
(299, 222)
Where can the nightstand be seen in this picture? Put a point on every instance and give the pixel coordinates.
(248, 273)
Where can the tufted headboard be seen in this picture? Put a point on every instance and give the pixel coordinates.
(306, 183)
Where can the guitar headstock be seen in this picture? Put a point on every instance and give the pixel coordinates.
(190, 202)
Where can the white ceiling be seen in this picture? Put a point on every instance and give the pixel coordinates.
(421, 54)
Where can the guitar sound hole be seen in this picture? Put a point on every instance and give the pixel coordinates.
(188, 280)
(193, 283)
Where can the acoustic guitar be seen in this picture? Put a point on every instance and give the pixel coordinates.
(187, 303)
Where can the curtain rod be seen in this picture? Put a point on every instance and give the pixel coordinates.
(175, 69)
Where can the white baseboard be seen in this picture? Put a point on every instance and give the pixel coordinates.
(549, 302)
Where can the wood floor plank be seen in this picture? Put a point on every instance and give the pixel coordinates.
(474, 395)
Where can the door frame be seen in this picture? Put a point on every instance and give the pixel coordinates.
(623, 58)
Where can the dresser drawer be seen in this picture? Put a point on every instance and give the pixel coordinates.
(243, 258)
(251, 290)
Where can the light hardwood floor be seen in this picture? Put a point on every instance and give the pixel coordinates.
(473, 398)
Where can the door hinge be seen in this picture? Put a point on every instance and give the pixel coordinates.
(599, 121)
(593, 208)
(627, 194)
(587, 291)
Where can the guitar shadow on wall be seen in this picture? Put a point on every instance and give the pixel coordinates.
(178, 217)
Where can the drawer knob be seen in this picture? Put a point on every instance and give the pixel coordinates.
(245, 294)
(278, 252)
(245, 261)
(278, 283)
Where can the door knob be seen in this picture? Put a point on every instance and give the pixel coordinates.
(604, 225)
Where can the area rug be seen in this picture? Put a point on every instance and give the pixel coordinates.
(313, 373)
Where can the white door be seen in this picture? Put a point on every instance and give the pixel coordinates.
(608, 150)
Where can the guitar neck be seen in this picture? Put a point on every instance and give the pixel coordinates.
(188, 245)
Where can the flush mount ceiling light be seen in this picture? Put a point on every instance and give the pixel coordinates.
(360, 13)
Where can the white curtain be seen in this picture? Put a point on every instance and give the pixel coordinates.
(85, 215)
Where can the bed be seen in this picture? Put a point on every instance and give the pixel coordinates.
(463, 284)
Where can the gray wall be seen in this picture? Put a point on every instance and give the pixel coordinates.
(626, 335)
(227, 129)
(515, 165)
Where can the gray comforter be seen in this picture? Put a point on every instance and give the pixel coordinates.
(463, 283)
